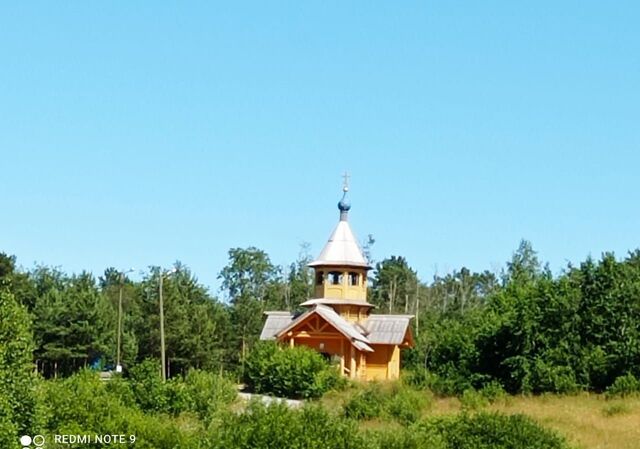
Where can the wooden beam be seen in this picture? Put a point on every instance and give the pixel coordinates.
(352, 367)
(320, 336)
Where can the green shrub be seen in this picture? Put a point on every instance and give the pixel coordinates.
(259, 363)
(493, 431)
(392, 399)
(366, 403)
(477, 431)
(149, 391)
(277, 426)
(419, 378)
(493, 391)
(406, 405)
(207, 393)
(624, 386)
(121, 388)
(449, 384)
(615, 409)
(296, 373)
(546, 377)
(83, 404)
(473, 400)
(405, 438)
(17, 381)
(329, 379)
(176, 398)
(8, 428)
(199, 392)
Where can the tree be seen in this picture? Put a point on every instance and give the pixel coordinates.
(524, 265)
(367, 246)
(394, 284)
(248, 274)
(74, 322)
(298, 284)
(16, 281)
(248, 279)
(460, 290)
(196, 325)
(609, 317)
(111, 283)
(17, 401)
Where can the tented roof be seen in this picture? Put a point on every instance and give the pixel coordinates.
(342, 249)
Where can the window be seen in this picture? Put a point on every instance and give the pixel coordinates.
(319, 278)
(354, 278)
(335, 277)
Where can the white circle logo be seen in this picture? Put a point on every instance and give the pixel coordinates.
(25, 440)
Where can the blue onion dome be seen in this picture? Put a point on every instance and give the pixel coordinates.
(344, 205)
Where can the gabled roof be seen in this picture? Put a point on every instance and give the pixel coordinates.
(376, 330)
(331, 317)
(344, 326)
(275, 322)
(388, 329)
(342, 249)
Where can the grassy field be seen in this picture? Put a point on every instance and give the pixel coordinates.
(588, 421)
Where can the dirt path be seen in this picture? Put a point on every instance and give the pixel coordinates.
(292, 403)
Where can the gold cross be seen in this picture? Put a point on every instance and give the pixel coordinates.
(345, 184)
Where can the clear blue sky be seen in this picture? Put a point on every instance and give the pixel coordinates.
(138, 133)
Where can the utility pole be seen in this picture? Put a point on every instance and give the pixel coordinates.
(121, 286)
(162, 353)
(118, 366)
(417, 306)
(162, 344)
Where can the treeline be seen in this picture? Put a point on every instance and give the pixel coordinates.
(523, 328)
(534, 332)
(73, 318)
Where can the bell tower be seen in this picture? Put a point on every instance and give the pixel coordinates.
(341, 269)
(338, 321)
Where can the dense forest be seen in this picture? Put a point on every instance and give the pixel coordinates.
(522, 330)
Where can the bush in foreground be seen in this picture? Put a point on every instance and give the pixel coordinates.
(494, 431)
(17, 402)
(199, 392)
(393, 400)
(207, 393)
(83, 404)
(142, 406)
(277, 426)
(295, 373)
